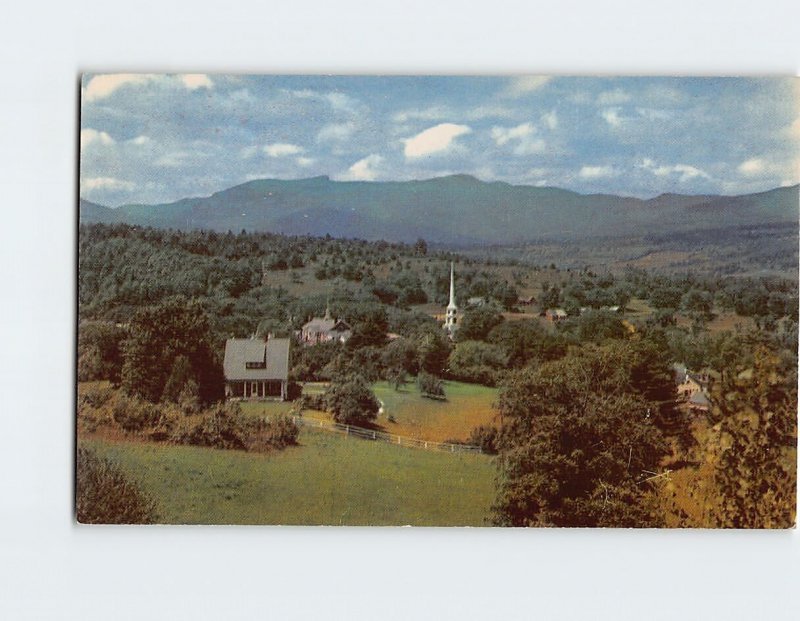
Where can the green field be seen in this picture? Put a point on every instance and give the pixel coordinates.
(467, 406)
(328, 479)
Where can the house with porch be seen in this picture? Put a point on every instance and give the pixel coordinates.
(324, 329)
(256, 368)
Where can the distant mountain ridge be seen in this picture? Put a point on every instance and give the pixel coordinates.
(456, 210)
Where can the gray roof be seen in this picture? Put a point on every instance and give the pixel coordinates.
(238, 352)
(699, 398)
(321, 324)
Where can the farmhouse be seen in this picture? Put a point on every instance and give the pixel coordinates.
(324, 329)
(692, 388)
(256, 368)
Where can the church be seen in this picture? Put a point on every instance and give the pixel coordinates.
(451, 314)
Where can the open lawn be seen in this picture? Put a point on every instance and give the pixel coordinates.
(328, 479)
(467, 406)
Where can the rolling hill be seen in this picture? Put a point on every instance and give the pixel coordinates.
(453, 210)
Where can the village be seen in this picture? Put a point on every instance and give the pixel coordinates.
(342, 372)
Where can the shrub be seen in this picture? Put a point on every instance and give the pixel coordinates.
(134, 414)
(430, 386)
(105, 495)
(484, 436)
(311, 402)
(293, 391)
(277, 432)
(221, 427)
(95, 397)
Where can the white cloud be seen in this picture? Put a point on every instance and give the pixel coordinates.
(281, 149)
(101, 86)
(502, 135)
(611, 116)
(752, 167)
(141, 140)
(550, 119)
(193, 81)
(521, 136)
(106, 183)
(434, 139)
(613, 97)
(685, 172)
(364, 169)
(92, 136)
(794, 128)
(526, 84)
(760, 167)
(336, 132)
(596, 172)
(304, 161)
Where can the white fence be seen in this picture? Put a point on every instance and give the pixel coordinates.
(372, 434)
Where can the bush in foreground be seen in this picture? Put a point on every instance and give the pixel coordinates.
(105, 495)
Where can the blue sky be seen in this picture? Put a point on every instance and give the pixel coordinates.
(152, 138)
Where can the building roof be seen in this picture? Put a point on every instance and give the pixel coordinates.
(699, 398)
(324, 324)
(557, 312)
(274, 352)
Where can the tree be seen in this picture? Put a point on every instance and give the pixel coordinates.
(158, 336)
(351, 401)
(755, 452)
(100, 351)
(477, 323)
(396, 376)
(525, 342)
(478, 362)
(578, 439)
(401, 354)
(599, 326)
(369, 328)
(434, 349)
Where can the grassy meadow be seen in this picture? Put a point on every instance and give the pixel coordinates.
(467, 406)
(327, 479)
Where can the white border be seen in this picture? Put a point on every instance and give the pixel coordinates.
(50, 568)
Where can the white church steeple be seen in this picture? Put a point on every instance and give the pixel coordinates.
(451, 316)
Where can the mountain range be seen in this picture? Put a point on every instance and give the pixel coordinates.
(452, 210)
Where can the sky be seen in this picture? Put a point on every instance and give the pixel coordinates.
(150, 138)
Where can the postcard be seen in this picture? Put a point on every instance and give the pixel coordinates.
(531, 301)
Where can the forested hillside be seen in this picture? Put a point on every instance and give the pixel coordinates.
(458, 209)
